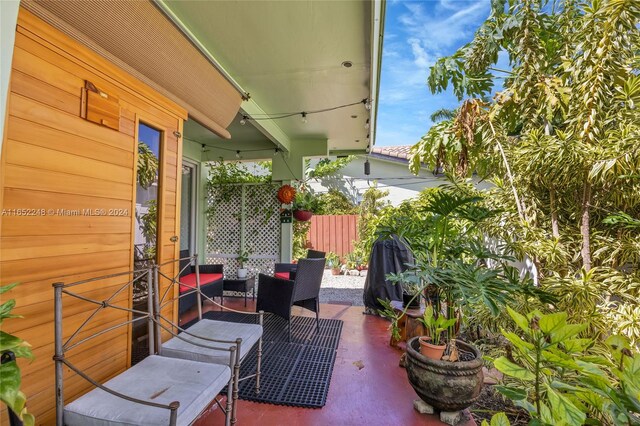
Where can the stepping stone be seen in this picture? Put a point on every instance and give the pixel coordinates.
(492, 376)
(422, 407)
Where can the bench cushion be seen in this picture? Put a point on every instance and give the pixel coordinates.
(188, 282)
(156, 379)
(222, 330)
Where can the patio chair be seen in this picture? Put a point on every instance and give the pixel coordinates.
(277, 295)
(211, 282)
(287, 271)
(195, 342)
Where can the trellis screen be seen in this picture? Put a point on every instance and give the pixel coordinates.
(244, 216)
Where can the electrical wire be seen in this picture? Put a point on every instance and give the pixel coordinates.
(277, 116)
(228, 149)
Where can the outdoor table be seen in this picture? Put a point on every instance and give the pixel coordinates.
(241, 285)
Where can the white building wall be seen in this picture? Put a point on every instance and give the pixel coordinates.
(390, 175)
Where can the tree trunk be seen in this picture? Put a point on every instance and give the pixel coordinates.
(554, 213)
(585, 227)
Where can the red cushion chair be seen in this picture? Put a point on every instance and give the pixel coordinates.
(211, 282)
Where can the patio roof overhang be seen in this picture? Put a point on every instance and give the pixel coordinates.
(289, 57)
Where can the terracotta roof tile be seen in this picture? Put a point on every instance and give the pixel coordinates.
(399, 151)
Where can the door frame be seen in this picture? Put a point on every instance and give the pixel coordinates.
(195, 187)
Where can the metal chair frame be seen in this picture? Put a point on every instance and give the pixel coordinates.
(161, 301)
(62, 347)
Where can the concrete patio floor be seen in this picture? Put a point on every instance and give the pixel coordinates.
(367, 386)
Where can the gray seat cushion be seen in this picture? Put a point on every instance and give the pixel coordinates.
(155, 379)
(221, 330)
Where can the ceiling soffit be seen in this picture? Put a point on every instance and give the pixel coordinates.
(288, 56)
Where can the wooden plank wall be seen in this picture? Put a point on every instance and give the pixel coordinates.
(334, 233)
(53, 159)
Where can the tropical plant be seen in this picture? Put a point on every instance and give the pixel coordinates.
(569, 98)
(305, 200)
(498, 419)
(370, 211)
(554, 375)
(559, 140)
(300, 241)
(409, 282)
(147, 170)
(455, 263)
(10, 392)
(435, 324)
(333, 260)
(353, 260)
(335, 202)
(149, 228)
(242, 257)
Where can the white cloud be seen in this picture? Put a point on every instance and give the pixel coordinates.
(417, 33)
(420, 56)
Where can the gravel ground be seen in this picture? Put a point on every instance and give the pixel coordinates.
(342, 289)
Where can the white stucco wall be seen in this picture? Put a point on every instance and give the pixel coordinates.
(393, 176)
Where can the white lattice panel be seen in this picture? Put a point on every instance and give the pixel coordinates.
(247, 219)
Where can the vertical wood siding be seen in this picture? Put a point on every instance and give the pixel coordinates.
(334, 233)
(53, 159)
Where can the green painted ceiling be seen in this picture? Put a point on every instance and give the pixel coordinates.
(288, 56)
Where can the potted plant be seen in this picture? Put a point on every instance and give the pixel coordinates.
(431, 345)
(411, 288)
(333, 263)
(456, 268)
(304, 205)
(243, 256)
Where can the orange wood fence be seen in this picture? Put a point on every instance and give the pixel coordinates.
(334, 233)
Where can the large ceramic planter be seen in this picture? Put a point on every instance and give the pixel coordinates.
(444, 385)
(302, 215)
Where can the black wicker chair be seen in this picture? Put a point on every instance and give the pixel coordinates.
(211, 282)
(277, 295)
(288, 270)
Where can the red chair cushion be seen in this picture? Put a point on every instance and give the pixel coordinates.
(188, 282)
(283, 275)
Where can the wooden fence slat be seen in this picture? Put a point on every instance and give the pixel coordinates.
(335, 233)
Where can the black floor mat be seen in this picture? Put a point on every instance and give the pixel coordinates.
(297, 373)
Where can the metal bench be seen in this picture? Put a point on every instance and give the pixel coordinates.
(157, 391)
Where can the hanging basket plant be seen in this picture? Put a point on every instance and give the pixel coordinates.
(302, 215)
(304, 205)
(286, 194)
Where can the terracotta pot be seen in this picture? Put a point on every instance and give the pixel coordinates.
(302, 215)
(429, 350)
(335, 271)
(446, 386)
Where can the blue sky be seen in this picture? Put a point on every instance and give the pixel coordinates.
(417, 33)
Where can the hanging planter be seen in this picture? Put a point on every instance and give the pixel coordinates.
(304, 204)
(302, 215)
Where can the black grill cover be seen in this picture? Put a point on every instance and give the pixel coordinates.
(390, 255)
